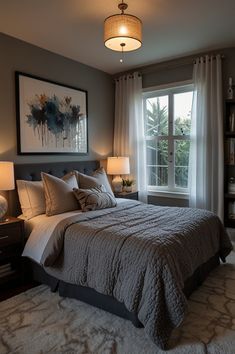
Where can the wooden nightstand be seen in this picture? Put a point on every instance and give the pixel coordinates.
(128, 195)
(11, 246)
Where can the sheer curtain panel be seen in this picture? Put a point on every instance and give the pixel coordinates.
(129, 137)
(206, 152)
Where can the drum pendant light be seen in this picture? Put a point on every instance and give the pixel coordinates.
(123, 32)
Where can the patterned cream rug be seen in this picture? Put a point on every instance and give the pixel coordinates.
(39, 321)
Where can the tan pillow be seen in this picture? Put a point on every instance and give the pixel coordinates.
(59, 193)
(31, 197)
(94, 199)
(99, 178)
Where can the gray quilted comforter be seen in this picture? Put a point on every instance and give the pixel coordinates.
(139, 254)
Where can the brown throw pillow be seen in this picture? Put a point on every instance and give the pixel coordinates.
(94, 199)
(99, 178)
(59, 193)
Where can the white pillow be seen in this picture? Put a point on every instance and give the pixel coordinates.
(31, 196)
(59, 193)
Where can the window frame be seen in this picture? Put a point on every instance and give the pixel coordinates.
(170, 90)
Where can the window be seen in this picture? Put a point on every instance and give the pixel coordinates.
(167, 131)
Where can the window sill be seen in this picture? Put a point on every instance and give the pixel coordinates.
(165, 194)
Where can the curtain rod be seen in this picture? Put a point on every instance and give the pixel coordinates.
(130, 76)
(179, 62)
(213, 56)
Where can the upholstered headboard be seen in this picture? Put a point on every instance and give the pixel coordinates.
(32, 172)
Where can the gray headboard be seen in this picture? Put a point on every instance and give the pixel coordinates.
(32, 172)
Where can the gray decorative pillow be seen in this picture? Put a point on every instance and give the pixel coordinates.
(59, 193)
(94, 198)
(99, 178)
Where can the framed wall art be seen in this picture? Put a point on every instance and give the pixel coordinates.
(51, 117)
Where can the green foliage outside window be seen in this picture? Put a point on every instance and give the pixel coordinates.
(157, 150)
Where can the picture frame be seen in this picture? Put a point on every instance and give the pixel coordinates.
(52, 118)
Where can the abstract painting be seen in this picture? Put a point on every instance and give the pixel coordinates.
(51, 117)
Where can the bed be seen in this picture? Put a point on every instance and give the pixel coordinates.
(137, 261)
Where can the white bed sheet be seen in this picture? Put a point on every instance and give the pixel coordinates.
(41, 232)
(40, 229)
(30, 224)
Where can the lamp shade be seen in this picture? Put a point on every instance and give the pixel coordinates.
(7, 181)
(118, 165)
(123, 32)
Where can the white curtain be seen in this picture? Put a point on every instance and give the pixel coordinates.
(129, 137)
(206, 152)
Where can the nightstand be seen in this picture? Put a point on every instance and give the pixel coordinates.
(128, 195)
(11, 246)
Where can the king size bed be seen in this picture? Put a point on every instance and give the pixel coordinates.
(135, 260)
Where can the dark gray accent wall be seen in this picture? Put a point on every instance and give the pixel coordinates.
(182, 69)
(16, 55)
(164, 201)
(167, 74)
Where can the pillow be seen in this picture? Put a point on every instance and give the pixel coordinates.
(94, 199)
(31, 197)
(99, 178)
(59, 193)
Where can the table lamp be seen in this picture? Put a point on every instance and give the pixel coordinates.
(7, 183)
(117, 166)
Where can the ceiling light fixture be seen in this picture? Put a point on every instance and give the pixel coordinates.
(123, 32)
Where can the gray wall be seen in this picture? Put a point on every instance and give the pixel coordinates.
(181, 69)
(21, 56)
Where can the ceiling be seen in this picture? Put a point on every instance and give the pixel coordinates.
(74, 28)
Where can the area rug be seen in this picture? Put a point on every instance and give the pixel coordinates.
(39, 321)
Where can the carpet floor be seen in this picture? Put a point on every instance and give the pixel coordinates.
(38, 321)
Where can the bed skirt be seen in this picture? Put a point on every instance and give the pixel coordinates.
(106, 302)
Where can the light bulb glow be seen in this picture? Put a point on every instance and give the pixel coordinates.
(123, 30)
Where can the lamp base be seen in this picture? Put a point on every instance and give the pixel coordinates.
(3, 208)
(117, 184)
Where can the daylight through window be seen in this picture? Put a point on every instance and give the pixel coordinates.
(167, 116)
